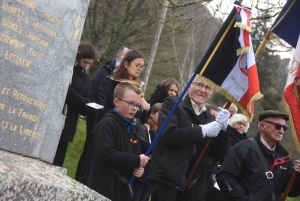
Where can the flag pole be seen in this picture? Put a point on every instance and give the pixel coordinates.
(200, 156)
(267, 37)
(181, 97)
(289, 186)
(263, 44)
(167, 120)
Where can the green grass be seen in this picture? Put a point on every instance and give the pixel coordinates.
(293, 199)
(75, 149)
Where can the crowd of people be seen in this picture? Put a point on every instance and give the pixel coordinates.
(232, 167)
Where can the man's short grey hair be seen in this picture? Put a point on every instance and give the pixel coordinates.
(120, 51)
(118, 60)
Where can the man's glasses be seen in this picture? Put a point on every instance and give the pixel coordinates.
(132, 105)
(277, 125)
(201, 85)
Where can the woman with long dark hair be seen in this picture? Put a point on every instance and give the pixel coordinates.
(129, 71)
(168, 87)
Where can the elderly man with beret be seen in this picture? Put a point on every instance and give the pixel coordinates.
(259, 169)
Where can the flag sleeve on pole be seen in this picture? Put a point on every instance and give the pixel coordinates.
(229, 63)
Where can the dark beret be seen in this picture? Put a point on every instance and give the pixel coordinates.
(272, 113)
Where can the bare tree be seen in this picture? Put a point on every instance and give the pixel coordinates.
(189, 46)
(155, 44)
(111, 24)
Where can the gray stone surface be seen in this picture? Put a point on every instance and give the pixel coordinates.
(23, 178)
(38, 44)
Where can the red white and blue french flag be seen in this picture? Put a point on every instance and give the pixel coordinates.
(229, 63)
(287, 27)
(291, 96)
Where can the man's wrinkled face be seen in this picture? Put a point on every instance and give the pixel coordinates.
(199, 91)
(272, 128)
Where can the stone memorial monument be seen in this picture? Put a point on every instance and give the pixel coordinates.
(38, 45)
(39, 40)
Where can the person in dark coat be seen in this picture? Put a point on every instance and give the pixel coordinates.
(130, 68)
(239, 126)
(243, 175)
(237, 132)
(117, 146)
(129, 71)
(153, 120)
(77, 97)
(181, 142)
(141, 186)
(93, 115)
(168, 87)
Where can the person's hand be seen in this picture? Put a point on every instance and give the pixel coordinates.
(211, 129)
(297, 166)
(138, 172)
(143, 160)
(223, 117)
(146, 106)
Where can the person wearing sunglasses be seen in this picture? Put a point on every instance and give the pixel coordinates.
(260, 168)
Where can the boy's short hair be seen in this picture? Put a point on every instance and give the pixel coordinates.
(124, 86)
(232, 109)
(155, 108)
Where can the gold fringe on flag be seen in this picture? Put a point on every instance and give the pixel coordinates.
(242, 50)
(223, 92)
(293, 130)
(295, 90)
(242, 26)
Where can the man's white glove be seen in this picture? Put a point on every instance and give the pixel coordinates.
(223, 117)
(211, 129)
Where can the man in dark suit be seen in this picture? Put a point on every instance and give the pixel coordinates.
(181, 142)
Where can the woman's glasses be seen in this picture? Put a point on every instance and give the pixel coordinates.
(277, 125)
(241, 123)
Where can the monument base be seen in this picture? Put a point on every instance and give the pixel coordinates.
(23, 178)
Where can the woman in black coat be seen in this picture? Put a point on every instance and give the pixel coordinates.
(168, 87)
(130, 69)
(77, 97)
(239, 127)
